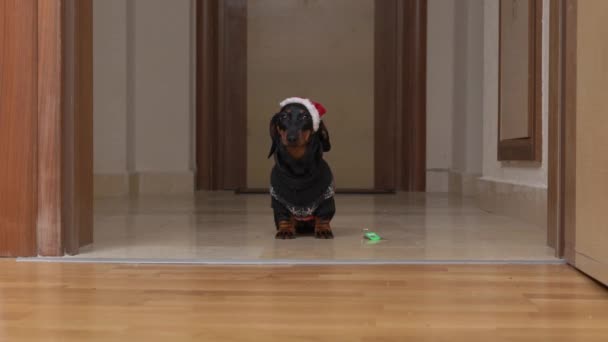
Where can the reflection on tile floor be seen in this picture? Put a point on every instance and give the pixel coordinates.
(227, 226)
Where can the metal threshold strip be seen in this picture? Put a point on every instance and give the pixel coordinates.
(284, 262)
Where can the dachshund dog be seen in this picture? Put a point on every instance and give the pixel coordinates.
(302, 184)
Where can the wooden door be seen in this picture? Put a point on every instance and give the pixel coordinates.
(586, 111)
(45, 127)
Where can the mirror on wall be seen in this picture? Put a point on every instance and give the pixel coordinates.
(520, 58)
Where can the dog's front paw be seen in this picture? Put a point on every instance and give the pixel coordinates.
(323, 230)
(286, 230)
(285, 235)
(324, 234)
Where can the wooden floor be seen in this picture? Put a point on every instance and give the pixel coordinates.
(92, 302)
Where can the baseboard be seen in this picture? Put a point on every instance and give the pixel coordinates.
(157, 183)
(462, 183)
(437, 180)
(144, 183)
(111, 184)
(524, 202)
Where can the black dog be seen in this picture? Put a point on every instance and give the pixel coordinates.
(302, 185)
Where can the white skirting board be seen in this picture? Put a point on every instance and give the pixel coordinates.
(523, 202)
(144, 183)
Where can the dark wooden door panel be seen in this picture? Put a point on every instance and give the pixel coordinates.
(77, 135)
(83, 121)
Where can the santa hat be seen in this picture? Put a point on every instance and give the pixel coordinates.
(315, 109)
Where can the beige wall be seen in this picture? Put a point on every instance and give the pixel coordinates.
(529, 174)
(331, 62)
(461, 107)
(462, 104)
(110, 86)
(440, 92)
(162, 71)
(468, 112)
(143, 95)
(454, 93)
(516, 189)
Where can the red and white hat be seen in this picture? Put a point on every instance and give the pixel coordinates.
(315, 109)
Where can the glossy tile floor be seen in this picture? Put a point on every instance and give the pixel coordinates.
(240, 227)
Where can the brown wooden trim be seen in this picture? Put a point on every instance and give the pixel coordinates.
(400, 95)
(70, 235)
(515, 149)
(233, 93)
(385, 94)
(221, 94)
(18, 132)
(65, 126)
(537, 119)
(529, 148)
(413, 95)
(569, 52)
(83, 209)
(77, 126)
(60, 130)
(207, 150)
(555, 156)
(49, 128)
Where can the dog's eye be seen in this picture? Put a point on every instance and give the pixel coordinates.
(303, 117)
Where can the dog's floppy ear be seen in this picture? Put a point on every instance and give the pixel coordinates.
(273, 134)
(324, 136)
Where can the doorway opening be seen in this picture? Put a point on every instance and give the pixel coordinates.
(346, 56)
(197, 98)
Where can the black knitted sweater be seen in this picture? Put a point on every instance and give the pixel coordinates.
(301, 185)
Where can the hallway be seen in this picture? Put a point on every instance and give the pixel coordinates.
(223, 226)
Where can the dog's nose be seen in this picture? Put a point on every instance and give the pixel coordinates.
(292, 138)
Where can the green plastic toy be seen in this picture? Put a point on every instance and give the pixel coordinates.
(372, 236)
